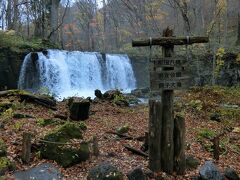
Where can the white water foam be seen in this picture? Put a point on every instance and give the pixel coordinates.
(76, 73)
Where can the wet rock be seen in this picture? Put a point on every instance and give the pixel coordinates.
(231, 174)
(141, 92)
(98, 94)
(209, 171)
(136, 174)
(105, 171)
(79, 109)
(192, 162)
(59, 150)
(44, 171)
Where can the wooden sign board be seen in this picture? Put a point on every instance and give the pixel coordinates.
(169, 85)
(167, 75)
(168, 62)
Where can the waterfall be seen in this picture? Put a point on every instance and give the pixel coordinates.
(76, 73)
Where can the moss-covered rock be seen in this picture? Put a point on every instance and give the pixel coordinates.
(3, 148)
(60, 137)
(120, 100)
(4, 106)
(122, 130)
(5, 165)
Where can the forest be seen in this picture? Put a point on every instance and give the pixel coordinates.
(120, 89)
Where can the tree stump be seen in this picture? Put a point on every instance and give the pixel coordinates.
(79, 109)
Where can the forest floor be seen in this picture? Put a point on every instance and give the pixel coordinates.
(198, 105)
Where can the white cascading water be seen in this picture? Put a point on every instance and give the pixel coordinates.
(67, 74)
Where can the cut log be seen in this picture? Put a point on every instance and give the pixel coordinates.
(179, 145)
(155, 135)
(135, 151)
(163, 41)
(79, 109)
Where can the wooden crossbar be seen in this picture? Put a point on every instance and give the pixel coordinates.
(165, 41)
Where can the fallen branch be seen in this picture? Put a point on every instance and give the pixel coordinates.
(135, 151)
(46, 102)
(120, 135)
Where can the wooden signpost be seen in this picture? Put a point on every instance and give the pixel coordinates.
(167, 73)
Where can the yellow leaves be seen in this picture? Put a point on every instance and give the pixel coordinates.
(219, 60)
(236, 130)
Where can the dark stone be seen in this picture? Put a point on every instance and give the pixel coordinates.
(104, 171)
(45, 52)
(110, 95)
(98, 94)
(34, 57)
(192, 162)
(209, 171)
(231, 174)
(215, 117)
(79, 109)
(195, 178)
(136, 174)
(44, 171)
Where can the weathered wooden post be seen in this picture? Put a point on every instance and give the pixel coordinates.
(166, 136)
(26, 147)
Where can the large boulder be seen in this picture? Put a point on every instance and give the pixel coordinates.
(98, 94)
(209, 171)
(79, 109)
(111, 94)
(105, 171)
(44, 171)
(136, 174)
(231, 174)
(192, 162)
(59, 151)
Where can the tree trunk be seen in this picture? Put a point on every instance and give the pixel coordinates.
(9, 14)
(15, 15)
(238, 35)
(54, 20)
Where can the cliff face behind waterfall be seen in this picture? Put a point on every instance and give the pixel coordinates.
(13, 49)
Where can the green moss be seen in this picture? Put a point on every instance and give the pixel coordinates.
(5, 165)
(206, 133)
(18, 43)
(120, 100)
(46, 122)
(66, 132)
(3, 148)
(65, 156)
(124, 129)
